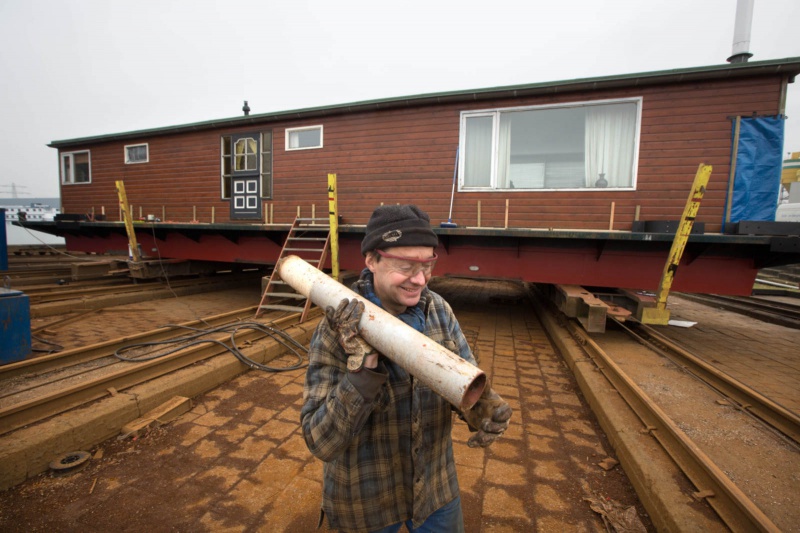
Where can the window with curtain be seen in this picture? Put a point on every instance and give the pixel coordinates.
(591, 145)
(137, 153)
(242, 157)
(76, 167)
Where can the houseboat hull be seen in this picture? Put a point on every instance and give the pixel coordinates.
(711, 263)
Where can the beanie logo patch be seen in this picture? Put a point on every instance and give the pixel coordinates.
(392, 236)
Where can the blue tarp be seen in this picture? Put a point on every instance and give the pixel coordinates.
(758, 169)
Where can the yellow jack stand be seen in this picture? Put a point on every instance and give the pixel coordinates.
(333, 212)
(125, 209)
(659, 315)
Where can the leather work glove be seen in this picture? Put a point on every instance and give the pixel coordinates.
(344, 323)
(489, 416)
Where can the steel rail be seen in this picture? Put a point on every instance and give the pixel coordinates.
(28, 412)
(744, 397)
(727, 500)
(107, 348)
(24, 272)
(49, 294)
(771, 312)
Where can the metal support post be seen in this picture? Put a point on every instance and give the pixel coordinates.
(333, 211)
(124, 210)
(659, 314)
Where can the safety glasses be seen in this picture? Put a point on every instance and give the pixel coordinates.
(409, 266)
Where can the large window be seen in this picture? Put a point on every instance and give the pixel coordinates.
(242, 155)
(576, 146)
(304, 138)
(76, 167)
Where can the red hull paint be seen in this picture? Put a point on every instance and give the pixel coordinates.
(580, 266)
(580, 263)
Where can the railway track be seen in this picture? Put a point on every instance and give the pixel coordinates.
(86, 291)
(52, 301)
(786, 422)
(37, 389)
(676, 408)
(712, 477)
(774, 312)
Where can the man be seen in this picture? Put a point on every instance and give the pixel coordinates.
(383, 435)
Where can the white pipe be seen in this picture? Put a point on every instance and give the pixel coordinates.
(456, 380)
(777, 284)
(741, 29)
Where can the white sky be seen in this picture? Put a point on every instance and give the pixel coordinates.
(76, 68)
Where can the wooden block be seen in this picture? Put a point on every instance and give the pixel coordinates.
(640, 300)
(576, 302)
(567, 298)
(592, 315)
(162, 414)
(94, 269)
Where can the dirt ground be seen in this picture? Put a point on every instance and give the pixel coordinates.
(237, 460)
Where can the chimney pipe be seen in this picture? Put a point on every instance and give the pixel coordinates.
(246, 108)
(741, 32)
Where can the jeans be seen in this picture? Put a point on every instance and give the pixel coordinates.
(446, 519)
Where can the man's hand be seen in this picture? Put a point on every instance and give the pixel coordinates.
(344, 323)
(489, 416)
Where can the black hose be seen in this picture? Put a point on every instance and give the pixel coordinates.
(196, 338)
(57, 348)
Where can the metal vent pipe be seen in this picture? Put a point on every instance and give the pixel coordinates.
(459, 382)
(741, 32)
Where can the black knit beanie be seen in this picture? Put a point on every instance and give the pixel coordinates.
(398, 225)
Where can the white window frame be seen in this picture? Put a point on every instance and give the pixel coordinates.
(71, 156)
(495, 113)
(289, 132)
(126, 153)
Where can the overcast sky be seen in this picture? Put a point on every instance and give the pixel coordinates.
(76, 68)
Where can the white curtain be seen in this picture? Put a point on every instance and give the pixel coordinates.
(504, 151)
(478, 152)
(610, 137)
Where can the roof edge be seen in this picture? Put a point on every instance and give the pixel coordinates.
(787, 66)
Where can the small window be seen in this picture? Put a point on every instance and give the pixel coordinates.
(304, 138)
(136, 153)
(76, 167)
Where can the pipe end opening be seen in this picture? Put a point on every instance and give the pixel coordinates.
(473, 392)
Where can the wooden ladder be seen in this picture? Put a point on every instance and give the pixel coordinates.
(309, 239)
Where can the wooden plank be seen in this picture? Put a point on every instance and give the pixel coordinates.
(164, 413)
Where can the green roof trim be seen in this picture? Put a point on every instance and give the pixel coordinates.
(789, 67)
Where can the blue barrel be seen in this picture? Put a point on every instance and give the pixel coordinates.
(15, 326)
(3, 242)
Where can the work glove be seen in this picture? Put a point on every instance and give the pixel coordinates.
(489, 417)
(343, 321)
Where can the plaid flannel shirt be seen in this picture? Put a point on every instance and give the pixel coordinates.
(388, 455)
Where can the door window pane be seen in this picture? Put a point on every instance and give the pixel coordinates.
(245, 154)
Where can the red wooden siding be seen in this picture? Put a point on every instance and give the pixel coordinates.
(407, 155)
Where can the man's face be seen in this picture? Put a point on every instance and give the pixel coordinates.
(399, 279)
